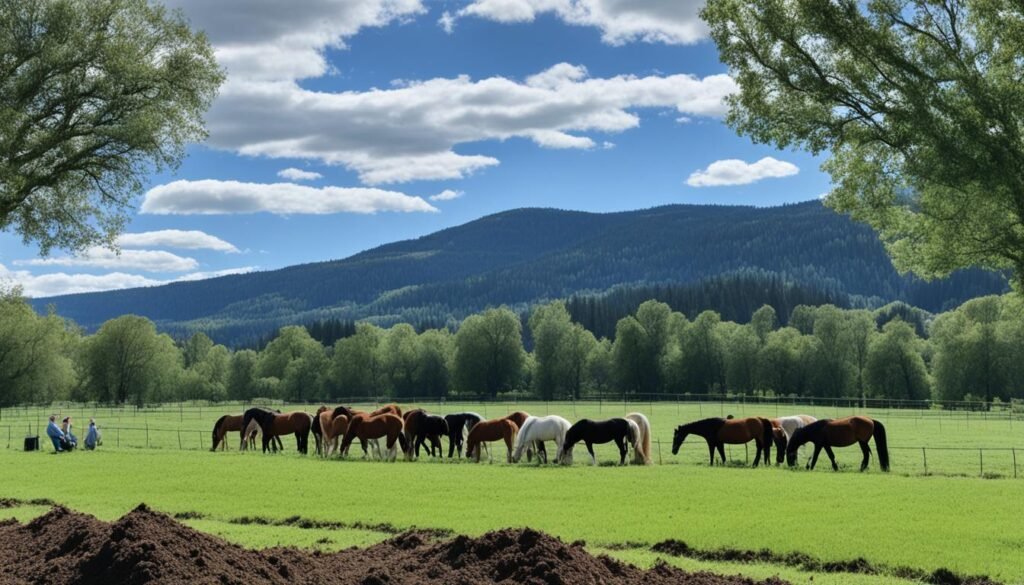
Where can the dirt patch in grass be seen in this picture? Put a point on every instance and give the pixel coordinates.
(311, 524)
(149, 547)
(804, 562)
(7, 503)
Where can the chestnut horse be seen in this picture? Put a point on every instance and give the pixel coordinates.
(387, 409)
(843, 432)
(223, 426)
(719, 432)
(365, 426)
(783, 428)
(273, 425)
(499, 429)
(410, 426)
(519, 417)
(333, 429)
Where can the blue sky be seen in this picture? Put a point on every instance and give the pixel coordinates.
(597, 105)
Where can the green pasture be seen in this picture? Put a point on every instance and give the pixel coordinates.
(968, 525)
(949, 442)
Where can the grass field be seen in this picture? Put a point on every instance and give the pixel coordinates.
(903, 519)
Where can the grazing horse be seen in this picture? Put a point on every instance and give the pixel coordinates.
(387, 409)
(428, 427)
(783, 428)
(365, 426)
(273, 425)
(642, 453)
(624, 432)
(843, 432)
(333, 428)
(499, 429)
(519, 417)
(458, 425)
(410, 421)
(719, 432)
(248, 435)
(223, 426)
(538, 429)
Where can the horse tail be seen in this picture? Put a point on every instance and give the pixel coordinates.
(216, 427)
(881, 445)
(645, 435)
(635, 436)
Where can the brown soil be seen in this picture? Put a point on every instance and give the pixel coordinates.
(148, 547)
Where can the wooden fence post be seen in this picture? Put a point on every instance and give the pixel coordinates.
(659, 452)
(981, 461)
(924, 454)
(179, 439)
(1014, 451)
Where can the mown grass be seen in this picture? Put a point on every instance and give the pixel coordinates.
(968, 525)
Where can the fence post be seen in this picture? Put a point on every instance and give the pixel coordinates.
(1014, 451)
(201, 440)
(659, 452)
(981, 461)
(924, 454)
(179, 439)
(147, 434)
(118, 436)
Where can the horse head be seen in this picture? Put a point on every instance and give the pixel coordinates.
(677, 439)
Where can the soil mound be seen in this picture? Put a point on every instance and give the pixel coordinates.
(149, 547)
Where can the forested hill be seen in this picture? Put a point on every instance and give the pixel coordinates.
(522, 256)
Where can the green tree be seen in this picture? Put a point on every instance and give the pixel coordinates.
(196, 349)
(549, 326)
(489, 353)
(895, 368)
(918, 103)
(401, 356)
(297, 360)
(94, 96)
(242, 375)
(740, 347)
(356, 365)
(127, 360)
(628, 356)
(763, 321)
(435, 357)
(860, 332)
(35, 353)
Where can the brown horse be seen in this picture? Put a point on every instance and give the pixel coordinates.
(364, 426)
(783, 428)
(224, 425)
(843, 432)
(332, 429)
(388, 409)
(719, 432)
(276, 425)
(410, 425)
(499, 429)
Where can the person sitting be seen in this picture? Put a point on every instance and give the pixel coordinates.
(92, 437)
(56, 435)
(70, 440)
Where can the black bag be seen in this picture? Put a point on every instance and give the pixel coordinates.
(32, 443)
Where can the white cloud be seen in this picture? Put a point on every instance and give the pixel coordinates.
(100, 257)
(60, 283)
(447, 195)
(737, 172)
(211, 197)
(294, 174)
(674, 22)
(411, 132)
(447, 22)
(184, 239)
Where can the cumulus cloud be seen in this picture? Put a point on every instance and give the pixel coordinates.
(411, 132)
(100, 257)
(737, 172)
(294, 174)
(183, 239)
(447, 195)
(674, 22)
(60, 283)
(211, 197)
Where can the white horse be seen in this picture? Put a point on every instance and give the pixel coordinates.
(788, 425)
(538, 429)
(642, 450)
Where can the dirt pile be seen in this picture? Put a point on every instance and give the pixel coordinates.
(148, 547)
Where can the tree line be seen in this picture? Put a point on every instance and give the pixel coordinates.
(974, 352)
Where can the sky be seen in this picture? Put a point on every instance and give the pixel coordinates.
(347, 124)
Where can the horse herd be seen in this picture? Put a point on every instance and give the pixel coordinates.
(335, 429)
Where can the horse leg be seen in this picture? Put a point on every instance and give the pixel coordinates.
(867, 455)
(542, 453)
(832, 456)
(590, 449)
(814, 458)
(757, 458)
(721, 452)
(623, 450)
(451, 445)
(711, 452)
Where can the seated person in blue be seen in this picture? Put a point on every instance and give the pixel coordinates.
(92, 437)
(70, 440)
(56, 435)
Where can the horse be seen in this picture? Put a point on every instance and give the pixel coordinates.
(843, 432)
(223, 426)
(623, 431)
(519, 417)
(429, 427)
(316, 429)
(387, 409)
(720, 431)
(459, 424)
(536, 430)
(272, 425)
(499, 429)
(642, 453)
(333, 428)
(410, 425)
(365, 426)
(247, 433)
(783, 428)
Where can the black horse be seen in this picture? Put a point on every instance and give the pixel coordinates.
(721, 431)
(273, 424)
(275, 442)
(843, 432)
(430, 427)
(597, 432)
(458, 424)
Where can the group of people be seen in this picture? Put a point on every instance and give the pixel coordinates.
(65, 440)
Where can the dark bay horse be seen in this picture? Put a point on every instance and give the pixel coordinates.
(233, 422)
(274, 425)
(623, 432)
(719, 432)
(459, 424)
(842, 432)
(411, 421)
(428, 427)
